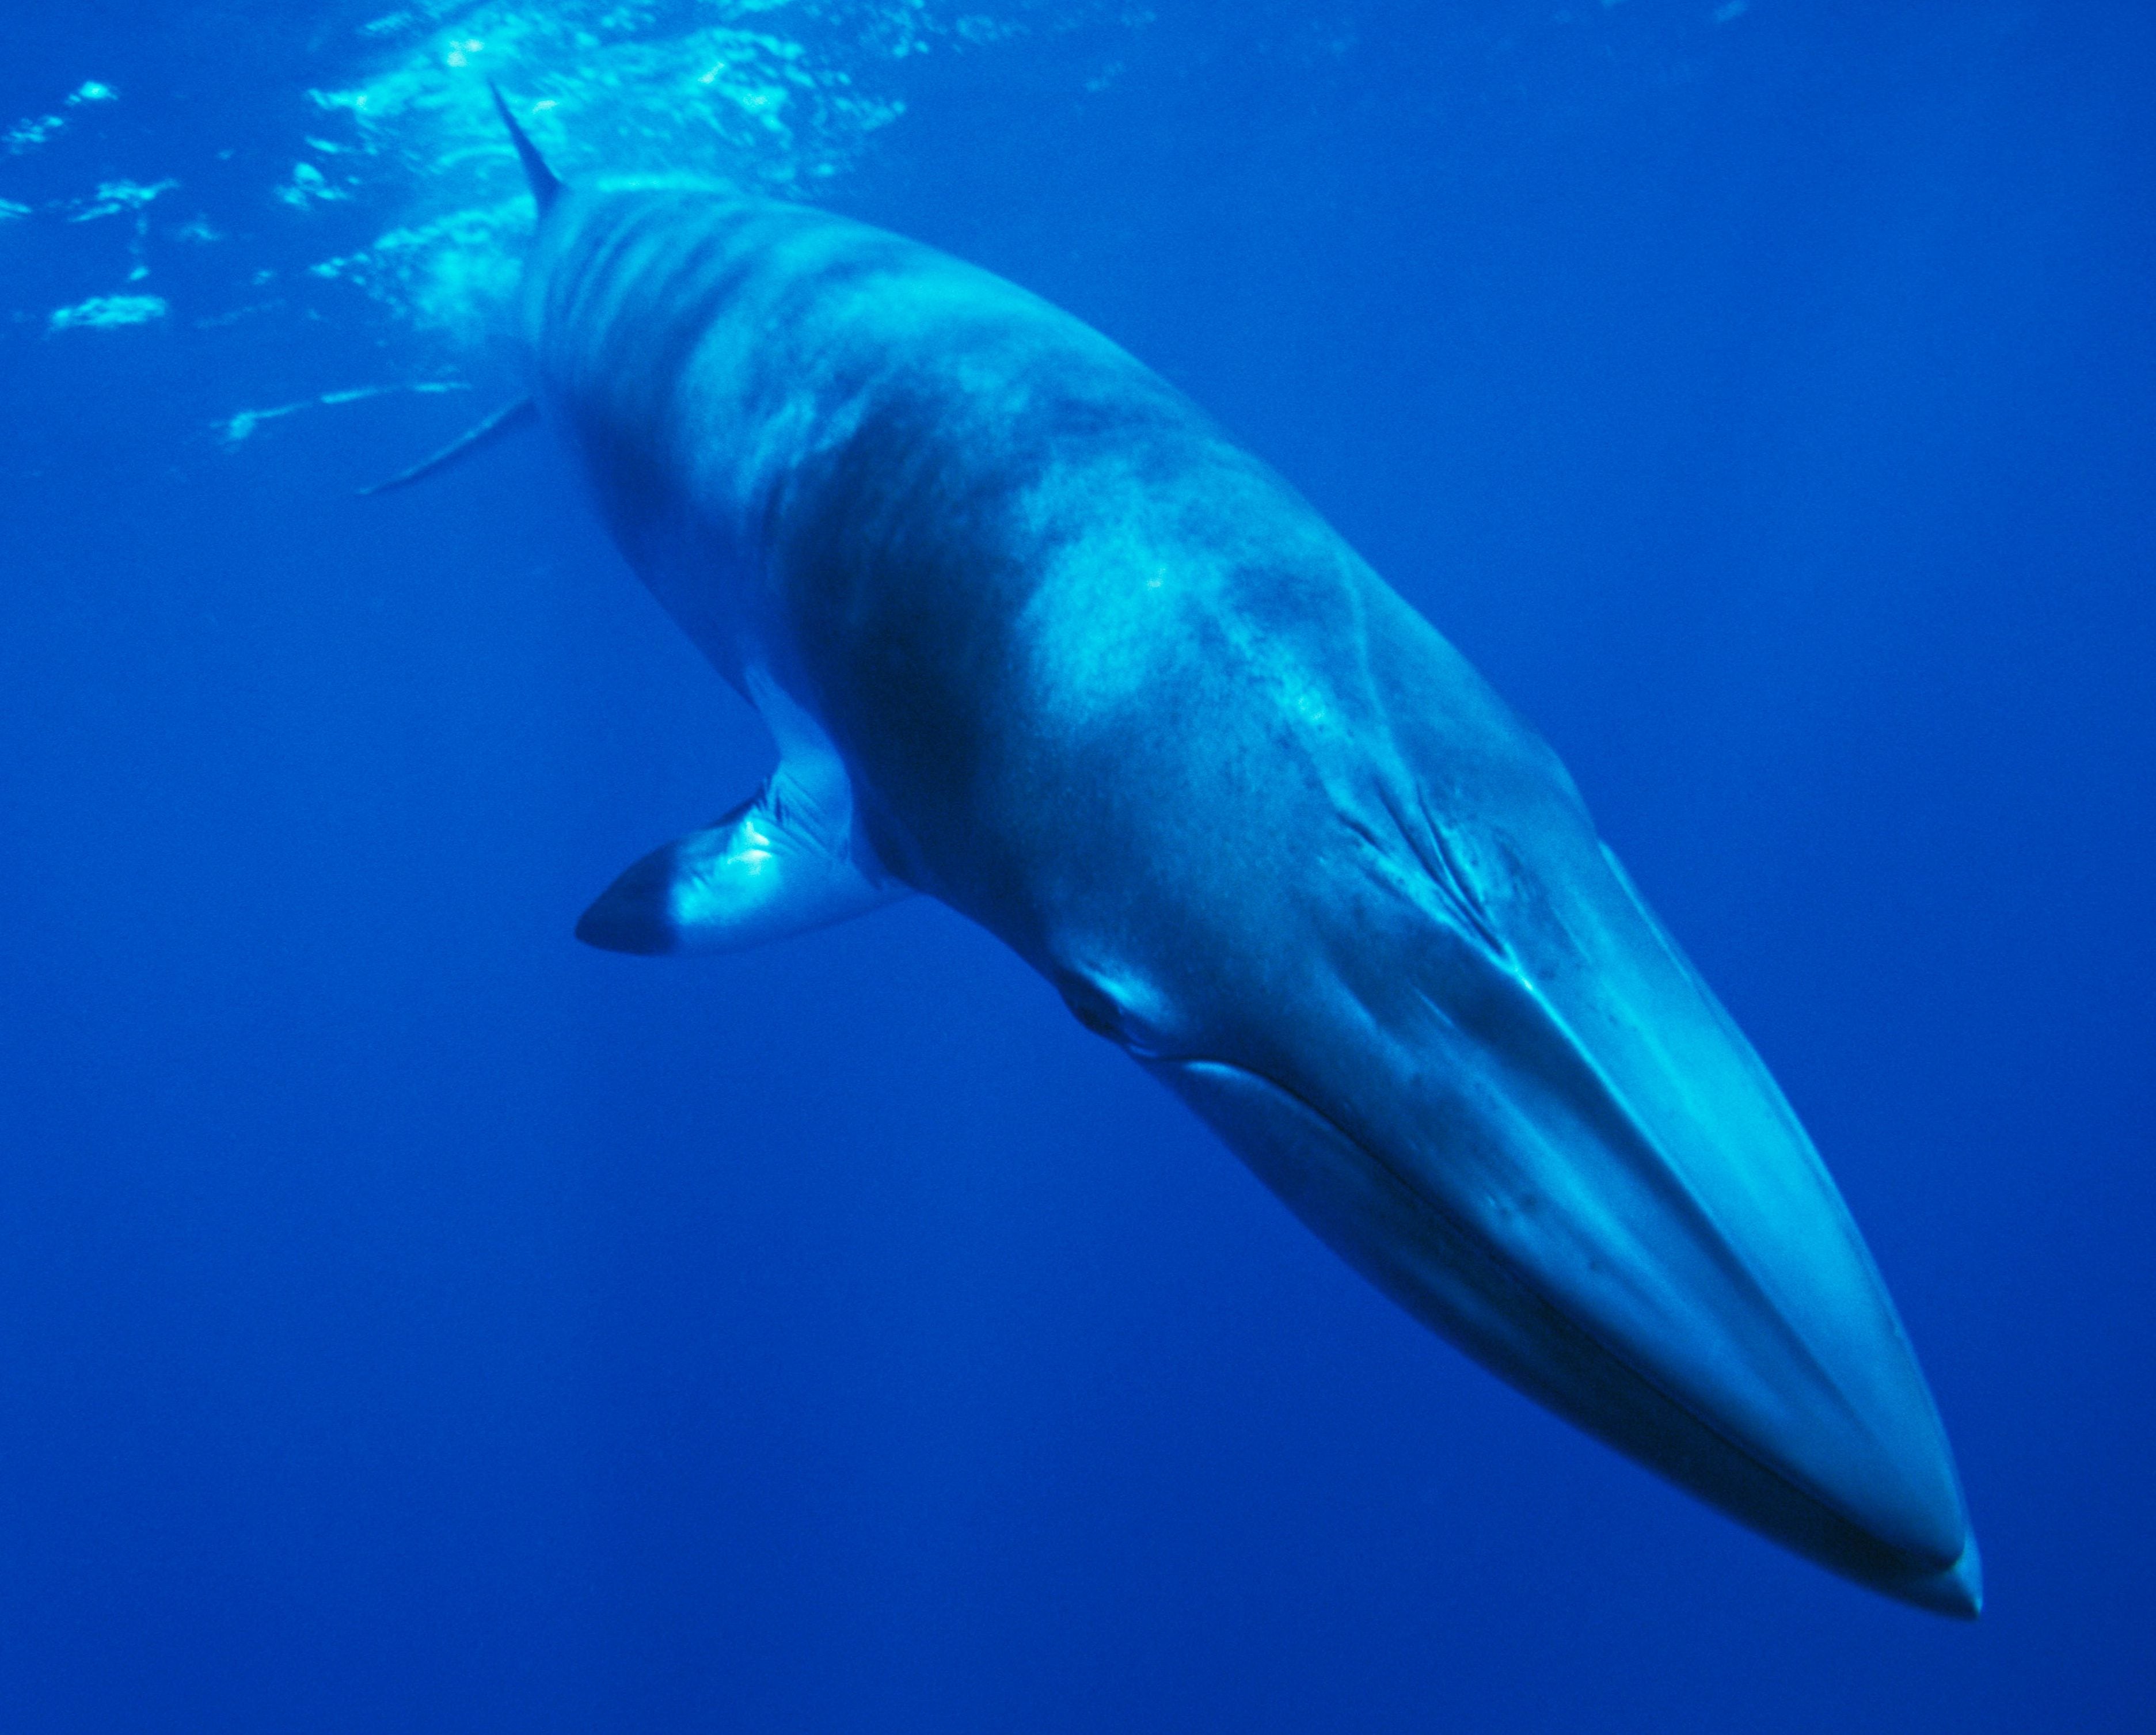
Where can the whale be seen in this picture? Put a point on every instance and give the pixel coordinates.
(1033, 638)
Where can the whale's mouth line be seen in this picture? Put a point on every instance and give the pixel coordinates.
(1480, 1246)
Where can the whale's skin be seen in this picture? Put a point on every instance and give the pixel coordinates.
(1036, 639)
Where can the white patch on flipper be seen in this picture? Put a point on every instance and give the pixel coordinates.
(786, 862)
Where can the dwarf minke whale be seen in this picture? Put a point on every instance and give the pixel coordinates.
(1035, 639)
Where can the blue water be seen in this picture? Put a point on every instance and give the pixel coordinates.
(412, 1320)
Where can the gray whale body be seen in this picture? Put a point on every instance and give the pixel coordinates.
(1034, 638)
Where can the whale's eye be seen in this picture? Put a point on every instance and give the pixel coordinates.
(1125, 1007)
(1092, 1005)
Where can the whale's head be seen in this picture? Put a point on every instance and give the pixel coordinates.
(1405, 979)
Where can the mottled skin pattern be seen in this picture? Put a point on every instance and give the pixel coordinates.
(1105, 684)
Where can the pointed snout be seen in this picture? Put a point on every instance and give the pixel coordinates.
(1564, 1156)
(1958, 1591)
(1630, 1160)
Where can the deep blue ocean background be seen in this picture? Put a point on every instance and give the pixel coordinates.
(412, 1320)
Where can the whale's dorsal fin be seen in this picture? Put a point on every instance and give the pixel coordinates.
(783, 862)
(506, 420)
(546, 188)
(545, 184)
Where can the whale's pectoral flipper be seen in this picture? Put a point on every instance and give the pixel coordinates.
(506, 420)
(766, 871)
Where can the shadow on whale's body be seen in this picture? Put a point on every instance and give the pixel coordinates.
(1034, 638)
